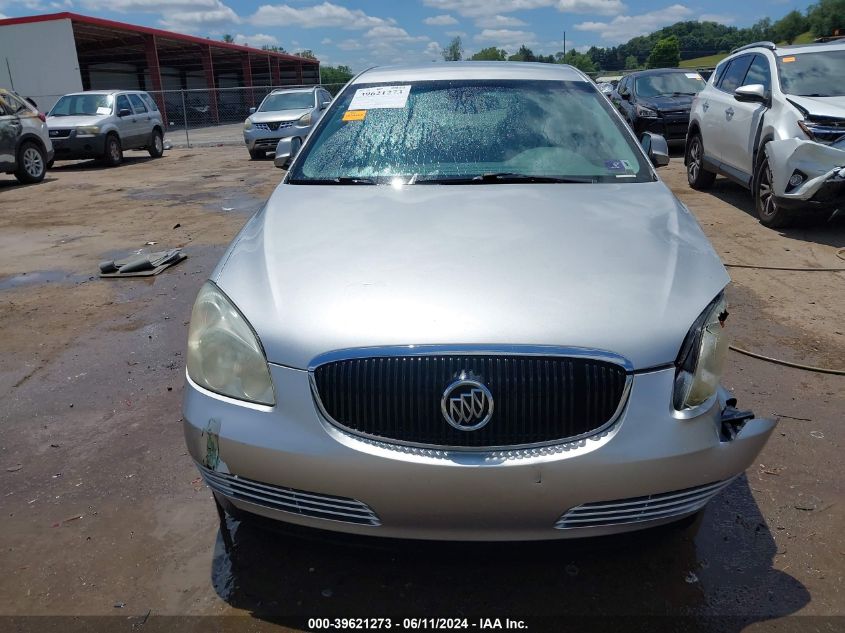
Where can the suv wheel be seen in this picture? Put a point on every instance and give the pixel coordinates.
(768, 211)
(257, 154)
(114, 152)
(32, 163)
(156, 148)
(697, 176)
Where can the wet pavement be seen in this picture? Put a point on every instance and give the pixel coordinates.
(102, 506)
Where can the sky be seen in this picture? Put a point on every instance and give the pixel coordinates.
(363, 33)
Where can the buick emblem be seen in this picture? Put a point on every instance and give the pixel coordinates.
(467, 404)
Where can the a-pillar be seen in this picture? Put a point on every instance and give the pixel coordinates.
(208, 69)
(151, 53)
(247, 75)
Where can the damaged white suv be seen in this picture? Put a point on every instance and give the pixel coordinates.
(772, 118)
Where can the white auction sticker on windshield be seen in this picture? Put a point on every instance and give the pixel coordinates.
(380, 97)
(104, 110)
(694, 76)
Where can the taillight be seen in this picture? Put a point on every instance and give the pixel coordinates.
(42, 116)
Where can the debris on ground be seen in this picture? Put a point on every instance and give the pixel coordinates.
(142, 265)
(75, 517)
(12, 469)
(691, 578)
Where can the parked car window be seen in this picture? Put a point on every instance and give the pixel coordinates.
(287, 101)
(137, 103)
(735, 73)
(462, 129)
(14, 105)
(4, 107)
(719, 72)
(83, 104)
(123, 103)
(812, 74)
(758, 73)
(667, 84)
(622, 86)
(151, 103)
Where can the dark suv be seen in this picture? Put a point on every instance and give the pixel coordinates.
(658, 101)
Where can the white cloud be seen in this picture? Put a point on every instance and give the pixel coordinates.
(326, 41)
(456, 33)
(480, 8)
(325, 15)
(441, 20)
(624, 27)
(506, 38)
(717, 17)
(392, 34)
(432, 50)
(498, 22)
(179, 15)
(258, 40)
(350, 45)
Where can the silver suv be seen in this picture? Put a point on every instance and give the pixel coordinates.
(25, 148)
(772, 118)
(104, 123)
(284, 114)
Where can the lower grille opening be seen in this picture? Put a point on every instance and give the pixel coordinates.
(309, 504)
(663, 505)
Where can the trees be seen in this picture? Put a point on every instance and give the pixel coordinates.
(581, 61)
(335, 74)
(631, 63)
(306, 53)
(825, 16)
(665, 54)
(454, 52)
(228, 39)
(524, 54)
(490, 54)
(273, 48)
(791, 26)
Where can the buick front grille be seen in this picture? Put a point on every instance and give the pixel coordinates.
(308, 504)
(634, 510)
(533, 399)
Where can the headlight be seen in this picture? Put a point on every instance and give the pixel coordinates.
(702, 357)
(224, 354)
(248, 124)
(88, 130)
(305, 119)
(646, 113)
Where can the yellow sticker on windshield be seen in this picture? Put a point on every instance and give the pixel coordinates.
(786, 60)
(354, 115)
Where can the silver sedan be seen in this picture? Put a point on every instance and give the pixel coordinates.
(443, 325)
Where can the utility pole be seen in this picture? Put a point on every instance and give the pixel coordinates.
(564, 44)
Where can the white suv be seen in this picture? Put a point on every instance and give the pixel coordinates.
(772, 118)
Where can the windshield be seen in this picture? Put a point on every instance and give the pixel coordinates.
(813, 74)
(287, 101)
(471, 130)
(669, 84)
(85, 104)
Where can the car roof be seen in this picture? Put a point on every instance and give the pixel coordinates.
(99, 92)
(661, 71)
(470, 70)
(279, 91)
(816, 47)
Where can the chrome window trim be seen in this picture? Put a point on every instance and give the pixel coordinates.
(475, 350)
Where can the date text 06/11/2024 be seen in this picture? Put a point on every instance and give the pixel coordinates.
(415, 624)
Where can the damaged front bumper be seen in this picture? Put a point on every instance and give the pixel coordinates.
(807, 174)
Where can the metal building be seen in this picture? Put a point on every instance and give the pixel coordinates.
(46, 56)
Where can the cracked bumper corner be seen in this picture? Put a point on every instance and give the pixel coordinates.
(821, 166)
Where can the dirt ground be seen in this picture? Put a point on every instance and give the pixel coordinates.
(103, 512)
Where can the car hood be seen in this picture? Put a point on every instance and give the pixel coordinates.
(681, 102)
(278, 115)
(56, 122)
(623, 268)
(821, 106)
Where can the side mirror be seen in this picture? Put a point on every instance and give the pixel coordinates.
(752, 93)
(124, 112)
(656, 148)
(325, 105)
(286, 150)
(252, 110)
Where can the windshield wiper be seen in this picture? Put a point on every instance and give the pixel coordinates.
(341, 180)
(815, 94)
(501, 178)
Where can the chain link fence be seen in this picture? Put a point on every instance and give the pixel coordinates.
(212, 117)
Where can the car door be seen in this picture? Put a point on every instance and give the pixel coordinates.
(719, 107)
(741, 128)
(127, 124)
(10, 129)
(618, 98)
(143, 121)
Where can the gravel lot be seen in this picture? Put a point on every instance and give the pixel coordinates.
(103, 512)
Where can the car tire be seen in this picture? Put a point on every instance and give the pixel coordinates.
(156, 148)
(767, 209)
(697, 176)
(114, 152)
(257, 154)
(32, 163)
